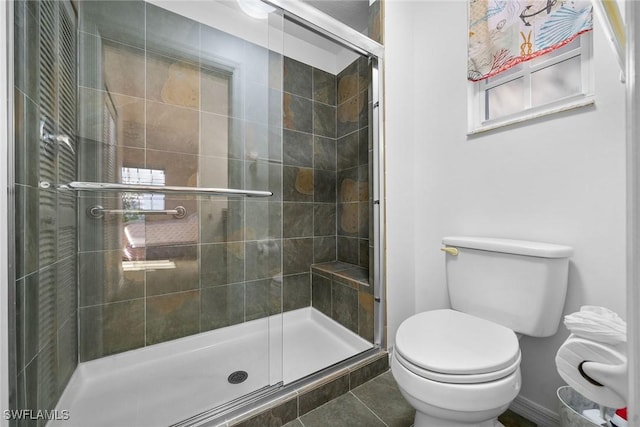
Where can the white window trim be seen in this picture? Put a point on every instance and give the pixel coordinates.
(477, 91)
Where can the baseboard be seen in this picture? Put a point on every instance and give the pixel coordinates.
(538, 414)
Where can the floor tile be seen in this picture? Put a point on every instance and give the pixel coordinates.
(382, 395)
(345, 411)
(511, 419)
(294, 423)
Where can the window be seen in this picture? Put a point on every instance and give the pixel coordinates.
(146, 201)
(557, 81)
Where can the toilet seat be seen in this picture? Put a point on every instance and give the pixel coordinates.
(454, 347)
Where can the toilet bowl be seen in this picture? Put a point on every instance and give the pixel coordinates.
(460, 367)
(456, 369)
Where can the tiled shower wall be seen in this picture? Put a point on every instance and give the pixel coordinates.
(45, 221)
(354, 148)
(159, 91)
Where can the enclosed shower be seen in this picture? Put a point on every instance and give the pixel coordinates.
(196, 206)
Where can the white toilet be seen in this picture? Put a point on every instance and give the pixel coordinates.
(461, 366)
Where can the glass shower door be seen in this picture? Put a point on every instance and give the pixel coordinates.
(188, 95)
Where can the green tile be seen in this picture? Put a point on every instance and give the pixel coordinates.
(283, 414)
(511, 419)
(172, 316)
(369, 371)
(345, 411)
(383, 396)
(221, 306)
(296, 291)
(111, 328)
(312, 399)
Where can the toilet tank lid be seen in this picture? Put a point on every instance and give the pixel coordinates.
(509, 246)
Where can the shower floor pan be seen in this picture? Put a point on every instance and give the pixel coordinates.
(169, 382)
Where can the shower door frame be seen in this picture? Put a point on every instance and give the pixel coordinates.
(340, 33)
(7, 238)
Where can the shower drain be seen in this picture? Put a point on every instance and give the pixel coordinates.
(237, 377)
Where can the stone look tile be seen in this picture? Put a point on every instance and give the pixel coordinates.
(324, 248)
(262, 298)
(111, 328)
(298, 219)
(180, 169)
(344, 306)
(324, 87)
(263, 259)
(347, 151)
(324, 186)
(172, 128)
(221, 263)
(348, 215)
(371, 370)
(311, 399)
(345, 411)
(185, 276)
(298, 184)
(221, 306)
(221, 221)
(348, 82)
(324, 120)
(172, 316)
(215, 87)
(172, 81)
(511, 419)
(324, 219)
(382, 395)
(324, 153)
(297, 255)
(283, 414)
(298, 113)
(296, 291)
(348, 250)
(297, 78)
(321, 293)
(123, 69)
(365, 316)
(102, 279)
(297, 149)
(347, 117)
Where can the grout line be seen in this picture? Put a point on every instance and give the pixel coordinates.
(371, 410)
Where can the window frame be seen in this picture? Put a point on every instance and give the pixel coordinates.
(477, 90)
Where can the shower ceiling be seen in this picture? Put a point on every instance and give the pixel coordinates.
(354, 13)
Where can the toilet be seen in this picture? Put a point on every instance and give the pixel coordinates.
(461, 366)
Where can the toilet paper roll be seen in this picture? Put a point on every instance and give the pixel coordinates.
(575, 351)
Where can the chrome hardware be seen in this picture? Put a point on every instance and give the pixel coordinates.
(103, 186)
(450, 250)
(97, 212)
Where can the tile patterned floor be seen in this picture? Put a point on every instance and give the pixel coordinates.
(377, 403)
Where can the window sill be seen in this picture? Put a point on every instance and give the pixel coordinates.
(534, 113)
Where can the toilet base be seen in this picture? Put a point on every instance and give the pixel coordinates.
(424, 420)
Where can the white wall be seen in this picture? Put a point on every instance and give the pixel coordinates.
(559, 179)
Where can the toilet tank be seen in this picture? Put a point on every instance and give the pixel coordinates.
(518, 284)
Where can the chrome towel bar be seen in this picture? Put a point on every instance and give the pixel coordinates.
(103, 186)
(97, 212)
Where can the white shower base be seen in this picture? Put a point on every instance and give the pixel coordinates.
(165, 383)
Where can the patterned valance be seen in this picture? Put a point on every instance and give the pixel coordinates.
(503, 33)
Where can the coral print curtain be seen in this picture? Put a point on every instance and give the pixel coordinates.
(503, 33)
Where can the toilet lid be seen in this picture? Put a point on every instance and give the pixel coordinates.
(451, 342)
